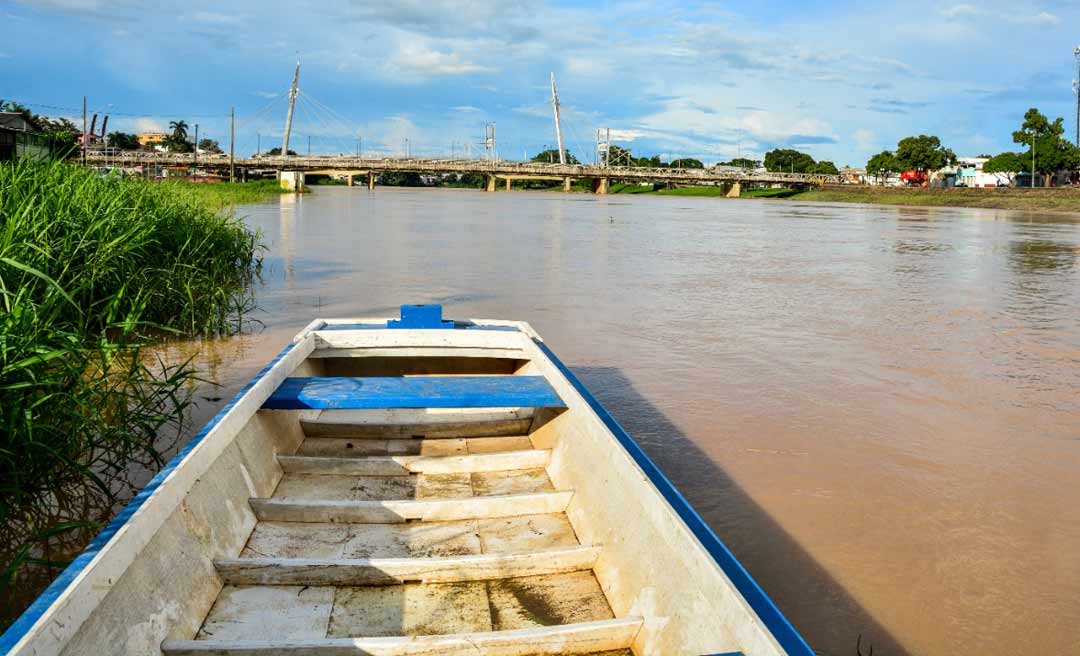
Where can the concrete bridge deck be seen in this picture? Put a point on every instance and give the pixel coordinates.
(502, 169)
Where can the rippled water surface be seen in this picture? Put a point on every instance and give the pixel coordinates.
(877, 409)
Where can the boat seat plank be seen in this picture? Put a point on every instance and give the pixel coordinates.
(389, 571)
(343, 447)
(388, 512)
(414, 540)
(510, 425)
(399, 465)
(345, 393)
(581, 638)
(398, 487)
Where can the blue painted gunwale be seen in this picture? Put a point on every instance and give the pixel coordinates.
(41, 605)
(771, 616)
(340, 393)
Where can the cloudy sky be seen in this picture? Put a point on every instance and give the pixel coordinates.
(706, 80)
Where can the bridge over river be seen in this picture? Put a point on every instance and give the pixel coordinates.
(292, 169)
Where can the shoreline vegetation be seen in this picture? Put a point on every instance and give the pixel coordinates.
(93, 271)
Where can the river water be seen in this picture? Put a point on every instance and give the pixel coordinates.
(877, 409)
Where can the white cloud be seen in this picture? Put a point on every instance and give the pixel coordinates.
(1041, 19)
(415, 61)
(961, 10)
(215, 18)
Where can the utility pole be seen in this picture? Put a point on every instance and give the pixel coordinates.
(289, 114)
(84, 130)
(558, 124)
(1032, 159)
(195, 150)
(309, 145)
(232, 144)
(1076, 87)
(258, 143)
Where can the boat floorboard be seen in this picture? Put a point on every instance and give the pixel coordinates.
(474, 558)
(253, 612)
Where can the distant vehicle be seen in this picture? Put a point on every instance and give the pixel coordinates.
(915, 178)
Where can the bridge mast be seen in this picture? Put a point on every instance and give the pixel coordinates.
(558, 123)
(288, 115)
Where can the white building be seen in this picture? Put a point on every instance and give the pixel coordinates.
(969, 173)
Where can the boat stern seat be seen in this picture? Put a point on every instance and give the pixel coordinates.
(357, 393)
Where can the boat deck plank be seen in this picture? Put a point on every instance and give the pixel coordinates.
(416, 540)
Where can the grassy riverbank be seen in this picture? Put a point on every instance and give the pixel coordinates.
(219, 195)
(91, 270)
(1033, 200)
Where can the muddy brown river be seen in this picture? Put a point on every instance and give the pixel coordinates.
(877, 409)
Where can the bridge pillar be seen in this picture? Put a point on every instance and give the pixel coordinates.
(600, 186)
(371, 181)
(566, 185)
(292, 180)
(508, 181)
(735, 191)
(348, 181)
(491, 183)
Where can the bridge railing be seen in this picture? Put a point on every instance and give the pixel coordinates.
(458, 165)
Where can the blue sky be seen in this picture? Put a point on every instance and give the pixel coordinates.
(707, 80)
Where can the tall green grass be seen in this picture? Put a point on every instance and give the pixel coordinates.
(91, 270)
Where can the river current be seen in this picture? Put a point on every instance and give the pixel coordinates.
(876, 408)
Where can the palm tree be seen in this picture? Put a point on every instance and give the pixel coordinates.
(179, 130)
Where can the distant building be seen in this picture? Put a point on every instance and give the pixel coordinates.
(852, 175)
(152, 139)
(20, 138)
(968, 172)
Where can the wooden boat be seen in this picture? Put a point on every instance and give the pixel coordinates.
(412, 486)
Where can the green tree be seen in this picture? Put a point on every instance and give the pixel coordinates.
(1053, 152)
(923, 153)
(1006, 163)
(883, 164)
(618, 156)
(179, 130)
(652, 162)
(209, 146)
(551, 156)
(824, 167)
(123, 141)
(743, 163)
(686, 163)
(788, 160)
(275, 151)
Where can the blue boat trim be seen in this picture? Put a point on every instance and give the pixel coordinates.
(420, 316)
(459, 325)
(31, 615)
(770, 615)
(341, 393)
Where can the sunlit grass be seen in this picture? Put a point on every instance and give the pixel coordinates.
(91, 269)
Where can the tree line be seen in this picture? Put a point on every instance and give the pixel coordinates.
(1046, 151)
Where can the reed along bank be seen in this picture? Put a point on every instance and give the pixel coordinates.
(94, 269)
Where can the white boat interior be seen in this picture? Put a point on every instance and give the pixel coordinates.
(384, 489)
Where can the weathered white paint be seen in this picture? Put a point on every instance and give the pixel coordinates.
(143, 535)
(389, 512)
(385, 571)
(583, 638)
(398, 465)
